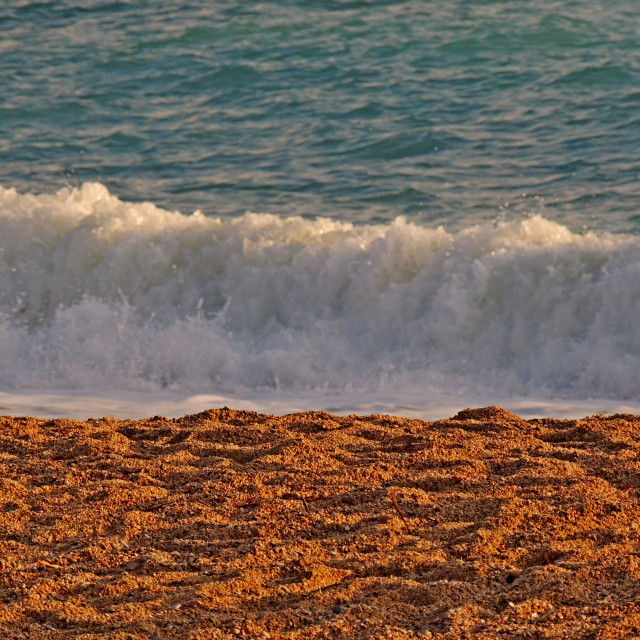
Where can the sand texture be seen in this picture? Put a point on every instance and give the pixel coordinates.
(231, 524)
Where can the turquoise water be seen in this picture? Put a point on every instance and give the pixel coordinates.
(409, 207)
(446, 112)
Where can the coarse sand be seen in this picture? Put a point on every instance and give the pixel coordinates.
(231, 524)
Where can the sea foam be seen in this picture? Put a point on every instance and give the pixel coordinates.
(101, 294)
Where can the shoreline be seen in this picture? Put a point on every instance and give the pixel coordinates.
(234, 524)
(405, 403)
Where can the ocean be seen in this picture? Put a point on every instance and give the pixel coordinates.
(357, 206)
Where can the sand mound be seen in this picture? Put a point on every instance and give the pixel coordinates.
(231, 524)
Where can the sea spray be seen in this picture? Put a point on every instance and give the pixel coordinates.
(98, 293)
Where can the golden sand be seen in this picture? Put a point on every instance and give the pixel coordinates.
(231, 524)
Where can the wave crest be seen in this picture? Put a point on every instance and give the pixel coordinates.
(101, 293)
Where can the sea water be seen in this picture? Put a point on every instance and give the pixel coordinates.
(402, 207)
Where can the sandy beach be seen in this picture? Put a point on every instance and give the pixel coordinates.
(232, 524)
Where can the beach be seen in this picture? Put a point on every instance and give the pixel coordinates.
(234, 524)
(325, 215)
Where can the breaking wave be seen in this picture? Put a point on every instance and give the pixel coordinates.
(98, 293)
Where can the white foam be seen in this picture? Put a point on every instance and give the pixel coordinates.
(100, 296)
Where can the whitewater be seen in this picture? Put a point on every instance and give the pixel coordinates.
(128, 309)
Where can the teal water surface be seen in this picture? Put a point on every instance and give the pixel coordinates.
(446, 112)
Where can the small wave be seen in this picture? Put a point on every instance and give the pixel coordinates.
(98, 293)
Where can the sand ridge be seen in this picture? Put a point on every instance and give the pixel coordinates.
(232, 524)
